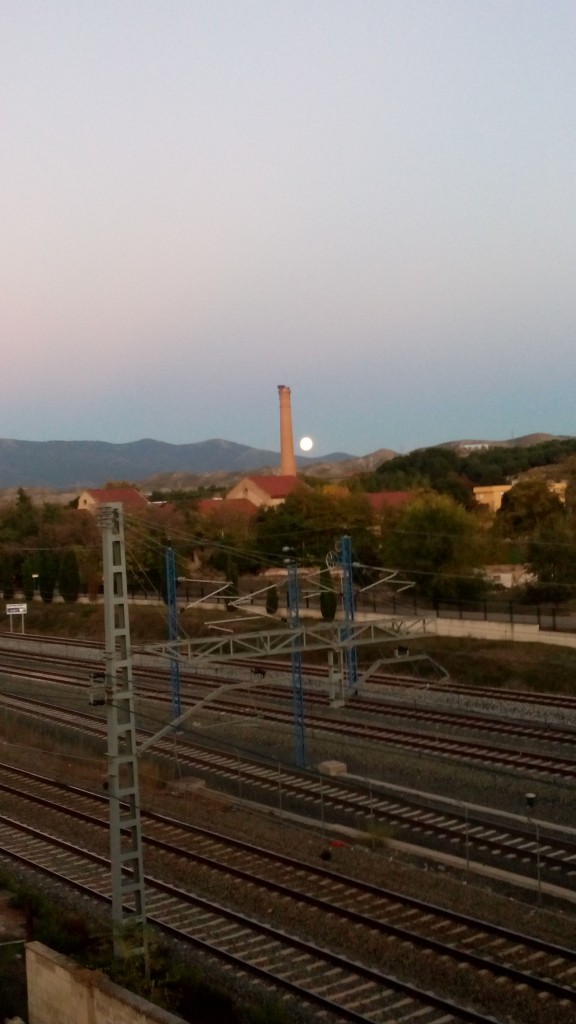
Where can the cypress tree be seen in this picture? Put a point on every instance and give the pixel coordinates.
(328, 601)
(47, 574)
(272, 601)
(29, 570)
(69, 576)
(7, 576)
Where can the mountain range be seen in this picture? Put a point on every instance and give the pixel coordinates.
(79, 464)
(73, 465)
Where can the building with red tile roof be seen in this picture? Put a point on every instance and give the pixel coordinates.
(389, 499)
(91, 499)
(265, 490)
(226, 509)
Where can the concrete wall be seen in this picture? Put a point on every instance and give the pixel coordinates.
(62, 992)
(522, 632)
(492, 496)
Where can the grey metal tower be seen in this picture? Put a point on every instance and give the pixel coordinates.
(296, 664)
(342, 558)
(173, 630)
(128, 889)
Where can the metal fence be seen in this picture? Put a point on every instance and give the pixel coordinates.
(552, 617)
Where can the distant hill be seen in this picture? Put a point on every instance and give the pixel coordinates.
(78, 464)
(345, 465)
(73, 465)
(526, 441)
(457, 466)
(329, 467)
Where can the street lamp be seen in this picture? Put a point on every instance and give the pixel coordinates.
(530, 803)
(34, 584)
(467, 839)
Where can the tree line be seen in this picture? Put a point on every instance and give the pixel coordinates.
(438, 542)
(451, 472)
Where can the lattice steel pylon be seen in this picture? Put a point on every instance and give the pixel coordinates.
(173, 630)
(296, 664)
(342, 558)
(128, 888)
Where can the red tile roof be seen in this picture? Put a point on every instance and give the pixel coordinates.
(126, 495)
(390, 499)
(225, 506)
(276, 486)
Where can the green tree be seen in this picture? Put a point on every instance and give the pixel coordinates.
(7, 582)
(439, 544)
(19, 522)
(216, 546)
(69, 576)
(47, 574)
(147, 538)
(29, 576)
(441, 469)
(272, 601)
(527, 507)
(552, 560)
(310, 522)
(569, 475)
(328, 599)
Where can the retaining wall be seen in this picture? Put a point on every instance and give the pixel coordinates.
(62, 992)
(522, 632)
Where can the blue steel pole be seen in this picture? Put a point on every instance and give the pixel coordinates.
(296, 665)
(348, 598)
(173, 630)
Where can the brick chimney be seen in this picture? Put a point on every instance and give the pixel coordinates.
(287, 460)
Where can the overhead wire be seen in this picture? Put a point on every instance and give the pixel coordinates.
(442, 574)
(198, 540)
(153, 537)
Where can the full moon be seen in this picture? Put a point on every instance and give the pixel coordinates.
(306, 443)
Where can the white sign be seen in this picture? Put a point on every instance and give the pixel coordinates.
(16, 609)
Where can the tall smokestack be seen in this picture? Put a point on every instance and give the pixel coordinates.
(287, 460)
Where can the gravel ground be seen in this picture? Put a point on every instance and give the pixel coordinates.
(231, 816)
(381, 866)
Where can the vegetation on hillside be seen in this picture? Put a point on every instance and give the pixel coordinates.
(451, 472)
(441, 545)
(441, 540)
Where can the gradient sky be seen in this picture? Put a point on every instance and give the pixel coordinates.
(371, 201)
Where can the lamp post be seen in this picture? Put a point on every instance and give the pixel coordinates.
(530, 803)
(467, 843)
(296, 661)
(34, 584)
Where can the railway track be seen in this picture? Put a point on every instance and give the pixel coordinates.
(544, 764)
(491, 839)
(395, 708)
(563, 701)
(523, 969)
(446, 745)
(348, 991)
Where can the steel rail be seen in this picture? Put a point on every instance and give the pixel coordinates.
(166, 901)
(344, 798)
(355, 888)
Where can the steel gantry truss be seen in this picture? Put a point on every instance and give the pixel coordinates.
(128, 888)
(326, 637)
(278, 642)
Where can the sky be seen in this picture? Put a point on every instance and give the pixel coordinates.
(370, 201)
